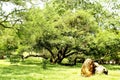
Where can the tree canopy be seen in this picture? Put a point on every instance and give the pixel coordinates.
(64, 28)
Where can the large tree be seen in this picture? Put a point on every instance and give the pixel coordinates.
(66, 34)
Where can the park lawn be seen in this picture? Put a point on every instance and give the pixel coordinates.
(52, 72)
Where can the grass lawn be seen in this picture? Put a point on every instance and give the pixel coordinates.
(52, 72)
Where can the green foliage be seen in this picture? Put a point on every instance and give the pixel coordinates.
(65, 61)
(105, 44)
(15, 58)
(63, 27)
(67, 31)
(44, 62)
(36, 61)
(17, 2)
(33, 60)
(8, 42)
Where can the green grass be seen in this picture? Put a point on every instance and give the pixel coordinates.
(52, 72)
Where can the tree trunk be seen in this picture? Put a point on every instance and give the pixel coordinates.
(56, 60)
(59, 60)
(60, 55)
(75, 61)
(52, 60)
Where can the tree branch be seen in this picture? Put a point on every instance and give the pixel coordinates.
(32, 55)
(71, 53)
(4, 25)
(50, 51)
(5, 19)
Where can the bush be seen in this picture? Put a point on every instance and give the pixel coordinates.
(65, 61)
(15, 58)
(33, 60)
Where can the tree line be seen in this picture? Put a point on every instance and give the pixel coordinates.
(62, 29)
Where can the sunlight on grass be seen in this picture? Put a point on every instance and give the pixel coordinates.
(4, 62)
(53, 72)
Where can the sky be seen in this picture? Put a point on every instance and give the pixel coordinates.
(109, 6)
(8, 7)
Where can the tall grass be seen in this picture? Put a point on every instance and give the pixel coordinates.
(51, 72)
